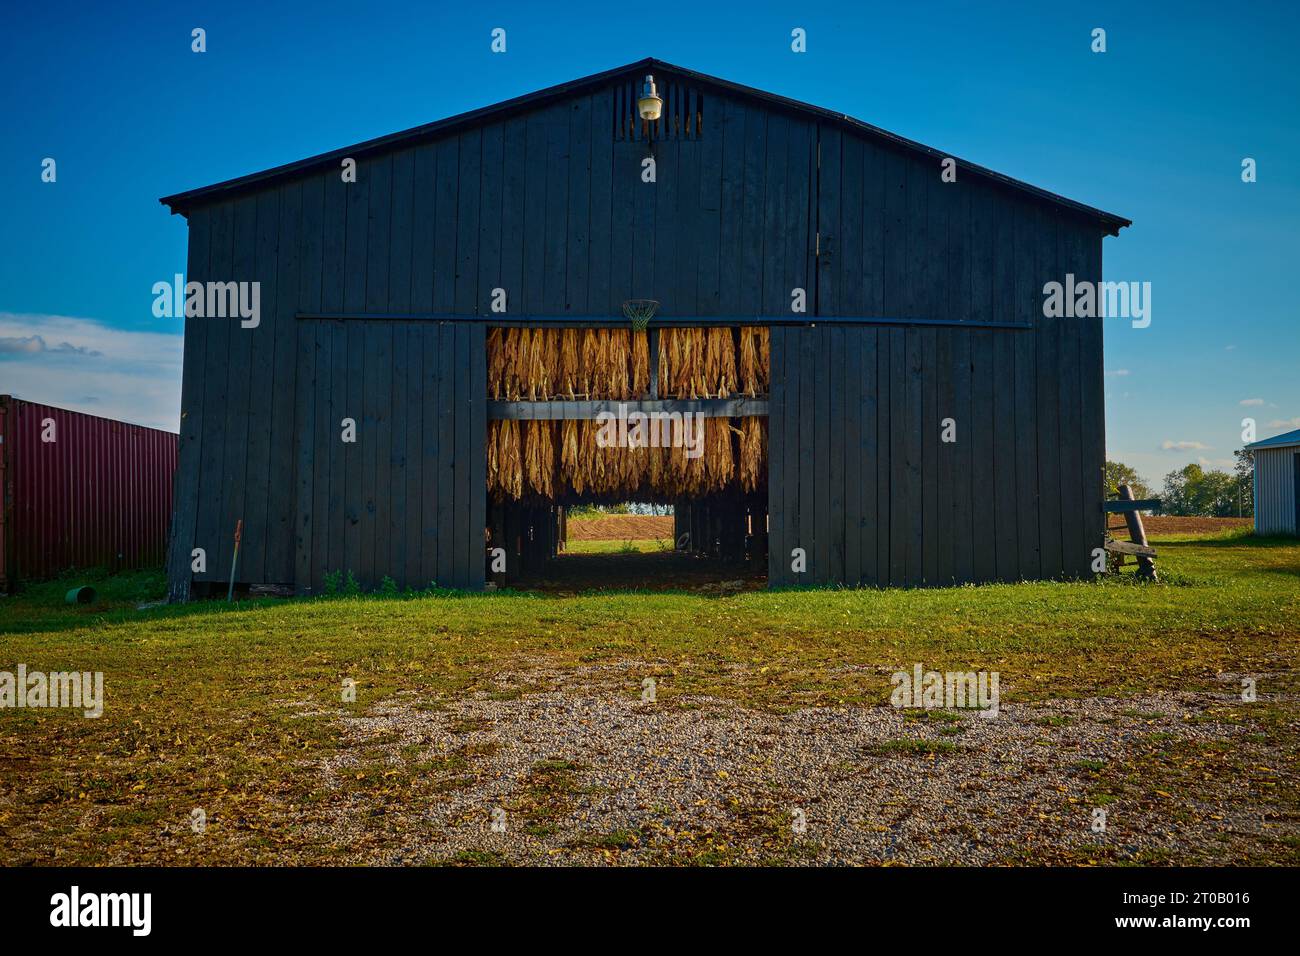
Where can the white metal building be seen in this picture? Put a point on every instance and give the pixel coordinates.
(1277, 484)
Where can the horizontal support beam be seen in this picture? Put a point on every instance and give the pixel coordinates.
(555, 411)
(1120, 506)
(663, 321)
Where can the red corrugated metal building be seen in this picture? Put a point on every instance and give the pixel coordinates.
(80, 491)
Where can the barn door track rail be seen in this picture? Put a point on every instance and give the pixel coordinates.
(659, 321)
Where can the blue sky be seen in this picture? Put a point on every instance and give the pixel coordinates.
(1155, 129)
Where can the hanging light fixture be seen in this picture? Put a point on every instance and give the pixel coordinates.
(649, 104)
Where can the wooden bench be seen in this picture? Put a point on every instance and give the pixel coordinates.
(1131, 508)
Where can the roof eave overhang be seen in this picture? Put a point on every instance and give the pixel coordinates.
(1266, 446)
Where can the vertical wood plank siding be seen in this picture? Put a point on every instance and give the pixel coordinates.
(549, 205)
(1018, 494)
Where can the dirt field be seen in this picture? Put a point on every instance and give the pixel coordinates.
(621, 527)
(1157, 525)
(624, 527)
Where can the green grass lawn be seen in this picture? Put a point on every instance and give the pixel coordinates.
(619, 546)
(196, 695)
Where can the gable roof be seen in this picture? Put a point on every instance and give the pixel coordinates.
(1278, 441)
(180, 202)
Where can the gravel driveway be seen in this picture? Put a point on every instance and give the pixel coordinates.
(586, 773)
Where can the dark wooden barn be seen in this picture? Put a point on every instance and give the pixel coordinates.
(924, 303)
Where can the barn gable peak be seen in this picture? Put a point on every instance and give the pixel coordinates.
(684, 123)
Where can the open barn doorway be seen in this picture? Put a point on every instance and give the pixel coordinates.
(583, 548)
(620, 458)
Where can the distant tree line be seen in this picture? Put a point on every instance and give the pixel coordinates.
(1193, 491)
(625, 508)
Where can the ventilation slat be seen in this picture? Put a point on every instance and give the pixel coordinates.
(682, 117)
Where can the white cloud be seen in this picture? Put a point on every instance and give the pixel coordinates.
(33, 344)
(1119, 372)
(1216, 462)
(86, 365)
(1285, 422)
(1251, 401)
(1184, 446)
